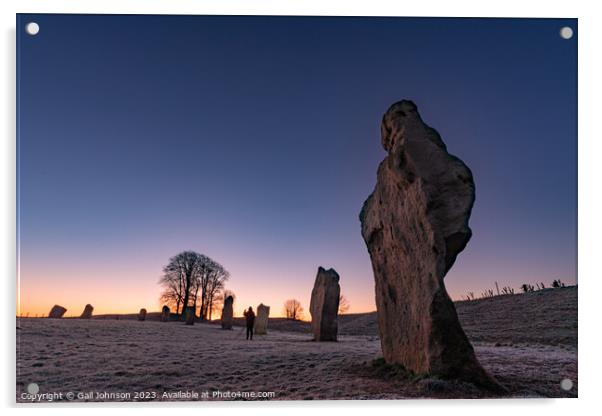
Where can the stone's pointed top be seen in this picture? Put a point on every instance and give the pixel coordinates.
(394, 121)
(331, 273)
(57, 311)
(87, 313)
(401, 122)
(403, 105)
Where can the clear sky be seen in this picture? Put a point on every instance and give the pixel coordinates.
(255, 141)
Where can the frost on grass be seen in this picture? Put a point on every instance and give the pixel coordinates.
(127, 355)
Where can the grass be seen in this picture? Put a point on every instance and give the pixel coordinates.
(387, 371)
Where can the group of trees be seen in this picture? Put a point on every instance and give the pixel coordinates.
(193, 280)
(294, 310)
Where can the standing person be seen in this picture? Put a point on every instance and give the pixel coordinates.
(250, 315)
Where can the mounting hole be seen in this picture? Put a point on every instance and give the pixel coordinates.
(32, 28)
(566, 32)
(566, 384)
(33, 388)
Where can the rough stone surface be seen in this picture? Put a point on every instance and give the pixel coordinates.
(261, 320)
(87, 313)
(57, 311)
(165, 312)
(414, 224)
(324, 305)
(228, 313)
(142, 314)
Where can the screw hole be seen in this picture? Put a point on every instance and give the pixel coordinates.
(566, 32)
(32, 28)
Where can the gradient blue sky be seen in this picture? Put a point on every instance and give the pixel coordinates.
(255, 140)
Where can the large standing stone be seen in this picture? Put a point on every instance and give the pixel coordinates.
(414, 224)
(324, 305)
(228, 313)
(165, 313)
(142, 314)
(261, 320)
(87, 313)
(57, 311)
(189, 315)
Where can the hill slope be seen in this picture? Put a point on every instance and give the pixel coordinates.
(546, 317)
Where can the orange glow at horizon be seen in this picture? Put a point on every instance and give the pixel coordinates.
(124, 294)
(125, 285)
(36, 302)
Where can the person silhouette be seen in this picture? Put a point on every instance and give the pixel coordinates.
(250, 316)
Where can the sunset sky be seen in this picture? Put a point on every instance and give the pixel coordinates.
(255, 141)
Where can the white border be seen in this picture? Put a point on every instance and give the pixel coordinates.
(590, 137)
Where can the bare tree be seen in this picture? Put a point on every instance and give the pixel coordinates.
(215, 283)
(343, 304)
(187, 264)
(188, 277)
(293, 309)
(173, 282)
(214, 279)
(213, 304)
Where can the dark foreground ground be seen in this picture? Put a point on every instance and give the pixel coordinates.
(528, 342)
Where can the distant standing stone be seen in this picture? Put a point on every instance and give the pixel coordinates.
(415, 224)
(165, 313)
(324, 305)
(87, 313)
(189, 315)
(261, 320)
(142, 314)
(228, 313)
(57, 312)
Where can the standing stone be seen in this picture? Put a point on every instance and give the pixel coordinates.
(324, 305)
(56, 312)
(189, 315)
(87, 313)
(415, 224)
(142, 314)
(165, 313)
(228, 313)
(261, 320)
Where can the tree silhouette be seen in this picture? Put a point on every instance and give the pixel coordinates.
(343, 304)
(293, 309)
(213, 290)
(173, 288)
(190, 277)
